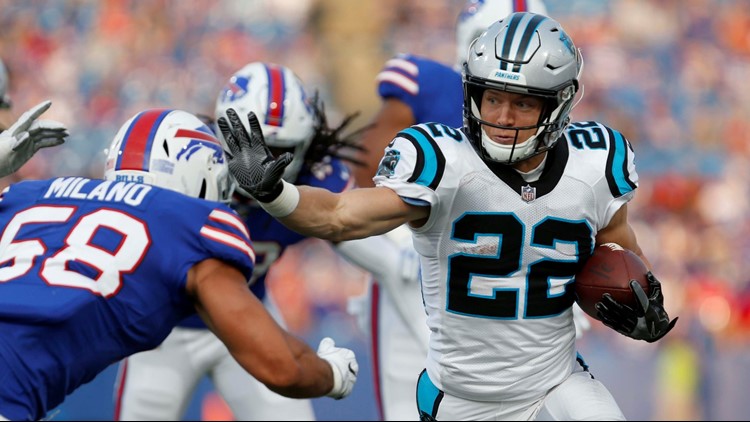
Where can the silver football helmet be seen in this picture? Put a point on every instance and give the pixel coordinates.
(477, 15)
(4, 97)
(524, 53)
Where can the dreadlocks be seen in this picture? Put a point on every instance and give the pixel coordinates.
(329, 142)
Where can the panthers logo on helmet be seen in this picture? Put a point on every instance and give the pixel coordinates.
(567, 42)
(388, 164)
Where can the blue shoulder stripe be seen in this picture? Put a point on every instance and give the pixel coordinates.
(618, 176)
(430, 160)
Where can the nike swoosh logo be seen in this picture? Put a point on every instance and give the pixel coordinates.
(352, 370)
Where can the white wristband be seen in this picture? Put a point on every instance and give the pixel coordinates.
(285, 203)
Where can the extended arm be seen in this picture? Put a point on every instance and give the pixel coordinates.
(353, 214)
(307, 210)
(281, 361)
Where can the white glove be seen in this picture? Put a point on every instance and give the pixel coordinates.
(26, 136)
(344, 366)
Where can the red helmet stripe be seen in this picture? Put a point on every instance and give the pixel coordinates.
(135, 150)
(276, 92)
(196, 134)
(520, 6)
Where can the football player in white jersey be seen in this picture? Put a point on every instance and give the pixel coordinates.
(503, 212)
(415, 89)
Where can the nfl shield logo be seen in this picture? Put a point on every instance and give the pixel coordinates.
(528, 193)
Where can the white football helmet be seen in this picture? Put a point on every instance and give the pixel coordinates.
(4, 97)
(529, 54)
(278, 98)
(171, 149)
(477, 15)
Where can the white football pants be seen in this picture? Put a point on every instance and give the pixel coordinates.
(579, 398)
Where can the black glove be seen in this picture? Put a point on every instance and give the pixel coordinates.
(648, 322)
(251, 163)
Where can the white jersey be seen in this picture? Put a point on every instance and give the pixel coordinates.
(499, 255)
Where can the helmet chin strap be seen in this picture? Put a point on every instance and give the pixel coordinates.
(504, 153)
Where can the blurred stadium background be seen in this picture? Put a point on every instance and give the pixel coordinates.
(671, 75)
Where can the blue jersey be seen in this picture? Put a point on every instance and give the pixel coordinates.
(92, 271)
(432, 90)
(270, 237)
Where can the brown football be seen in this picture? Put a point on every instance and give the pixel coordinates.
(609, 270)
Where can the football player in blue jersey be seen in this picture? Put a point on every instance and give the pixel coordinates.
(296, 123)
(92, 271)
(504, 211)
(415, 89)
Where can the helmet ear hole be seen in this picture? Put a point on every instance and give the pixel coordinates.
(202, 193)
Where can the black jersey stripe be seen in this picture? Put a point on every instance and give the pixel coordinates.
(616, 172)
(628, 151)
(508, 41)
(439, 159)
(528, 33)
(430, 159)
(419, 165)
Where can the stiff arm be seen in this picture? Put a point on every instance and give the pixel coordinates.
(353, 214)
